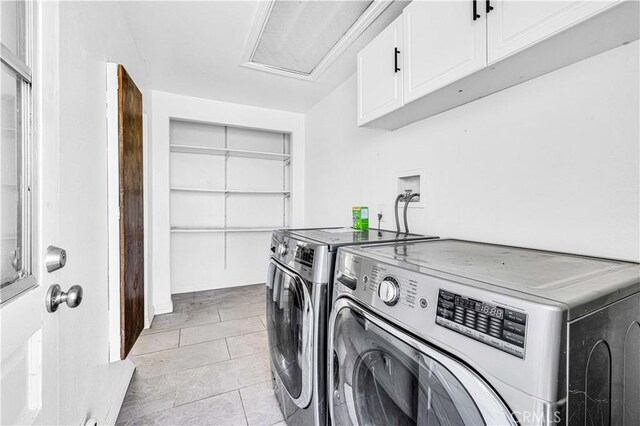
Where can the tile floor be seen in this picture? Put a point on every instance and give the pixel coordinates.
(207, 363)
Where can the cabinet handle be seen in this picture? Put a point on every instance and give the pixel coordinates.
(475, 10)
(397, 52)
(489, 7)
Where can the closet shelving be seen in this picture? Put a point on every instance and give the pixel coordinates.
(230, 188)
(193, 149)
(231, 191)
(219, 230)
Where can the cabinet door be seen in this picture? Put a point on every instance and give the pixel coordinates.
(442, 44)
(514, 25)
(379, 74)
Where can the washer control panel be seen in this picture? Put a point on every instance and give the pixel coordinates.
(502, 328)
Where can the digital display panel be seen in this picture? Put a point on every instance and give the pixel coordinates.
(502, 328)
(305, 255)
(483, 308)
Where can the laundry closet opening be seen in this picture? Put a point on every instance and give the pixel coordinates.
(229, 190)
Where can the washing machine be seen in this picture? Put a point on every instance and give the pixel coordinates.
(451, 332)
(299, 280)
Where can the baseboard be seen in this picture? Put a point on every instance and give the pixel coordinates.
(203, 287)
(120, 391)
(165, 308)
(150, 314)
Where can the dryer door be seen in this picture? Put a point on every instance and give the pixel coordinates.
(290, 330)
(379, 375)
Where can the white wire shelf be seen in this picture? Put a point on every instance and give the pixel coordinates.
(231, 191)
(190, 149)
(205, 229)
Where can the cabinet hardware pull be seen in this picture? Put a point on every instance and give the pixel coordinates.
(489, 7)
(396, 59)
(475, 10)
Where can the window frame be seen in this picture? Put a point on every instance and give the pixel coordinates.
(26, 157)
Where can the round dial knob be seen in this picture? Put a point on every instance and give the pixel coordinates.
(389, 291)
(282, 250)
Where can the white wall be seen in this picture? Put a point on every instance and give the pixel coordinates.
(167, 106)
(552, 163)
(91, 33)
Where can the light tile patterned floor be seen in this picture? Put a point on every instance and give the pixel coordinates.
(207, 363)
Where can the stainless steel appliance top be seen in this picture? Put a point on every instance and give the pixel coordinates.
(338, 237)
(580, 282)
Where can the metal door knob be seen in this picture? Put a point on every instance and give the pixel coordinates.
(55, 297)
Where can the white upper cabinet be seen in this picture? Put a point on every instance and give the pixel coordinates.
(515, 25)
(379, 74)
(443, 42)
(454, 52)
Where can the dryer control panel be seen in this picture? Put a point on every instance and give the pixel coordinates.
(496, 326)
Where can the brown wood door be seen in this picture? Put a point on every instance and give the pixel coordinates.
(131, 212)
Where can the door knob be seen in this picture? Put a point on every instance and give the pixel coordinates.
(55, 297)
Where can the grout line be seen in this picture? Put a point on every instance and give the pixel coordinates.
(224, 393)
(266, 352)
(220, 338)
(173, 349)
(187, 403)
(227, 345)
(221, 322)
(154, 350)
(244, 410)
(222, 360)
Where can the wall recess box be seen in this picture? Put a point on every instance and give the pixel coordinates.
(413, 180)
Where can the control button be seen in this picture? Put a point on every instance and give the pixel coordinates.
(514, 327)
(459, 315)
(423, 303)
(447, 296)
(513, 338)
(365, 279)
(515, 316)
(446, 304)
(445, 313)
(389, 291)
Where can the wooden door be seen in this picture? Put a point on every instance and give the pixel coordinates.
(131, 211)
(514, 25)
(380, 74)
(443, 43)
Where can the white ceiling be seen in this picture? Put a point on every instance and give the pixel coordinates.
(195, 49)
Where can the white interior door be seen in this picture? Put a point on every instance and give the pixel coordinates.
(30, 336)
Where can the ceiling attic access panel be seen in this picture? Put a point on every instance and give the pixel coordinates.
(300, 39)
